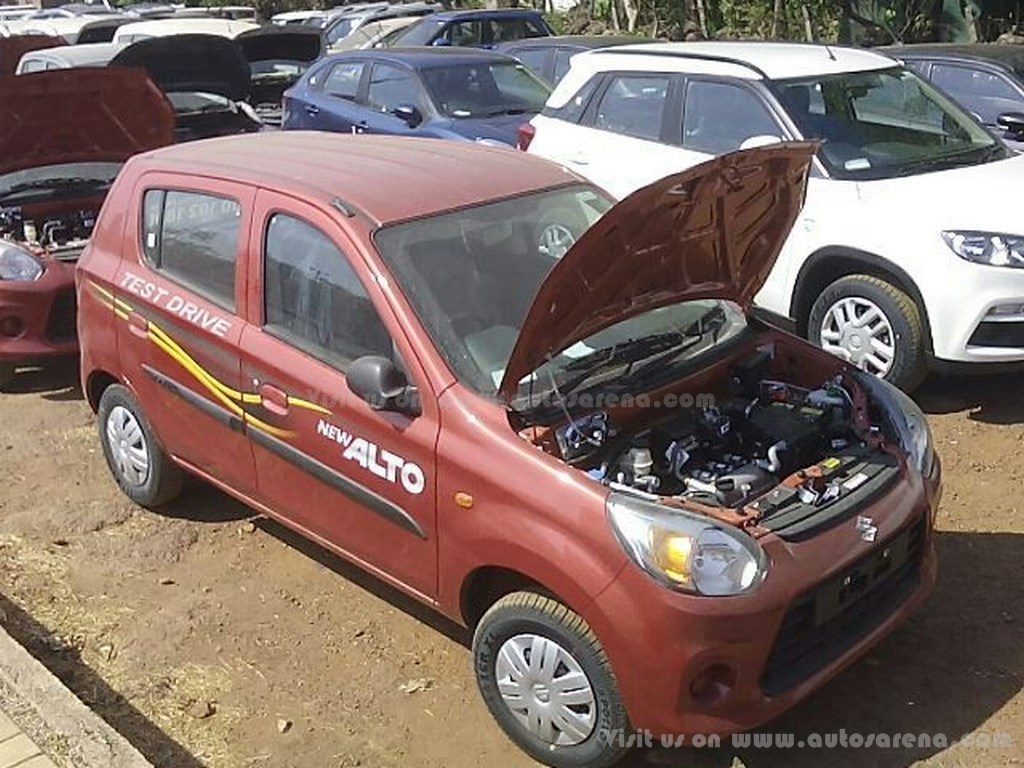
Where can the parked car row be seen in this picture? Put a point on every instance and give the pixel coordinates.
(545, 391)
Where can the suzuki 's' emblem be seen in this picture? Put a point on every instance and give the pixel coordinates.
(866, 528)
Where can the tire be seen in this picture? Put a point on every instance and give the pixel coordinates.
(899, 328)
(515, 627)
(124, 432)
(6, 374)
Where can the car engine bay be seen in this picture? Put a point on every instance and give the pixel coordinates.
(769, 447)
(61, 236)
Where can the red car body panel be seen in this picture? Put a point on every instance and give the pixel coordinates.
(268, 423)
(50, 119)
(14, 47)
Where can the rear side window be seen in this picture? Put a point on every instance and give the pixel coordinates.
(633, 105)
(719, 117)
(193, 239)
(562, 57)
(573, 109)
(313, 298)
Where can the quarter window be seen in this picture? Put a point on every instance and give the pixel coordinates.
(193, 239)
(719, 117)
(313, 298)
(391, 87)
(633, 105)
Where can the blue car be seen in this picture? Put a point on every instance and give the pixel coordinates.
(475, 29)
(444, 93)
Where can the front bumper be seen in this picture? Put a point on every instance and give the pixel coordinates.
(39, 315)
(691, 665)
(960, 298)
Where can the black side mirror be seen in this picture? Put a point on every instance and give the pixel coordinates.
(410, 114)
(1012, 121)
(382, 385)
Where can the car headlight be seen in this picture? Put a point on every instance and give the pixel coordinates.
(992, 248)
(907, 424)
(18, 264)
(685, 551)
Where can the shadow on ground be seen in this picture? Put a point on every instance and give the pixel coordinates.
(57, 381)
(992, 399)
(953, 665)
(66, 663)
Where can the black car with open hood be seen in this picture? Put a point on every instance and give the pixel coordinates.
(277, 57)
(205, 77)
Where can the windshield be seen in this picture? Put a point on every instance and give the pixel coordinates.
(195, 102)
(485, 89)
(472, 276)
(42, 182)
(886, 123)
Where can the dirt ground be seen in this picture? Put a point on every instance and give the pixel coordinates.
(210, 638)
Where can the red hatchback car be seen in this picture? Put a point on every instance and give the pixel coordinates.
(549, 417)
(63, 138)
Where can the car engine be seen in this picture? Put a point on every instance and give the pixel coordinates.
(61, 236)
(726, 454)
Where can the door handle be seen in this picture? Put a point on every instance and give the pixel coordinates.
(273, 399)
(312, 110)
(138, 325)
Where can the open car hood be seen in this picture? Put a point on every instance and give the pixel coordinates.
(14, 47)
(299, 44)
(80, 115)
(713, 231)
(190, 63)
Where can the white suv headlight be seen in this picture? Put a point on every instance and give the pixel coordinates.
(684, 551)
(18, 264)
(993, 248)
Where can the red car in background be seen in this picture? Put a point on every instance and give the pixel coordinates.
(549, 417)
(63, 138)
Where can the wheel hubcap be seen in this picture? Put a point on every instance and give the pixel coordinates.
(857, 330)
(127, 446)
(555, 241)
(546, 689)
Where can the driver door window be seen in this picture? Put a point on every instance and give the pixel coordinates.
(313, 298)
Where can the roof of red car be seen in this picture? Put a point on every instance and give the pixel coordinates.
(387, 178)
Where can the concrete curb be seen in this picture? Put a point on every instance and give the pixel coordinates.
(87, 740)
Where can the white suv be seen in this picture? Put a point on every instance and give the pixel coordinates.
(909, 252)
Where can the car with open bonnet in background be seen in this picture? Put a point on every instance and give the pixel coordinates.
(63, 138)
(456, 386)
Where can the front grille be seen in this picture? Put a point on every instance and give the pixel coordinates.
(826, 622)
(61, 325)
(997, 334)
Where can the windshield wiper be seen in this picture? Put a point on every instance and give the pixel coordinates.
(622, 354)
(708, 324)
(76, 183)
(955, 160)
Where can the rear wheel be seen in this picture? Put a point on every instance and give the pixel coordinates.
(139, 465)
(873, 325)
(545, 677)
(6, 374)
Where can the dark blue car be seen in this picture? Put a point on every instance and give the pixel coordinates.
(475, 29)
(444, 93)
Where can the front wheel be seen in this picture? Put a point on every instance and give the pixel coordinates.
(873, 325)
(546, 680)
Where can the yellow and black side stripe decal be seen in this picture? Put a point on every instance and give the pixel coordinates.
(228, 398)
